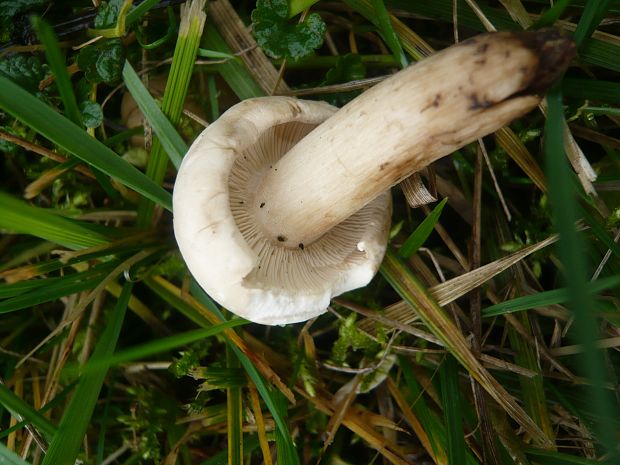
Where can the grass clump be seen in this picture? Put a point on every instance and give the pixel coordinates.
(490, 335)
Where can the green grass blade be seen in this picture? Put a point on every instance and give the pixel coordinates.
(431, 424)
(297, 6)
(402, 280)
(382, 17)
(570, 250)
(58, 66)
(592, 15)
(136, 13)
(421, 233)
(77, 282)
(263, 389)
(21, 287)
(8, 457)
(62, 132)
(592, 89)
(594, 51)
(551, 15)
(22, 218)
(233, 72)
(601, 233)
(532, 390)
(542, 299)
(171, 141)
(452, 411)
(66, 444)
(234, 410)
(55, 402)
(599, 53)
(611, 111)
(250, 444)
(190, 31)
(544, 457)
(163, 345)
(24, 411)
(177, 302)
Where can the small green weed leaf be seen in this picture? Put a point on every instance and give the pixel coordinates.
(350, 338)
(348, 68)
(190, 358)
(27, 72)
(92, 115)
(11, 8)
(102, 61)
(108, 14)
(280, 38)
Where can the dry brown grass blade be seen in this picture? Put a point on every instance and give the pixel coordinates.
(348, 394)
(577, 158)
(358, 423)
(595, 136)
(451, 290)
(43, 181)
(238, 37)
(517, 150)
(43, 152)
(455, 288)
(415, 424)
(517, 12)
(490, 451)
(440, 324)
(260, 424)
(260, 364)
(608, 343)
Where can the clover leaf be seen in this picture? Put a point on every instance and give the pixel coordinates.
(25, 71)
(107, 14)
(102, 61)
(280, 37)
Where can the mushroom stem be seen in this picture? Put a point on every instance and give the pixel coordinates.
(402, 125)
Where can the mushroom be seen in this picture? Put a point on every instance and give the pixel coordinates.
(282, 204)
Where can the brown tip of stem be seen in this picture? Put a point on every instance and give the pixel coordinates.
(555, 52)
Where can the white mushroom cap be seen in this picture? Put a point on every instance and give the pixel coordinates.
(225, 250)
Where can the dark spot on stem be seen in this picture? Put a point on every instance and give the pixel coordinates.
(477, 104)
(434, 104)
(281, 238)
(482, 49)
(301, 245)
(382, 166)
(262, 205)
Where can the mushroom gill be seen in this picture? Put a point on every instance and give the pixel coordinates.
(315, 266)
